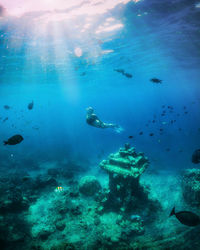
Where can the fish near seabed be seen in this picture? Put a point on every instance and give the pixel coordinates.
(15, 139)
(187, 218)
(196, 156)
(30, 105)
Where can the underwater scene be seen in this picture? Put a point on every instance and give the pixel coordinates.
(99, 124)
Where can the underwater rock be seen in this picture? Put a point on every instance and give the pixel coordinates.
(73, 192)
(75, 209)
(191, 186)
(64, 246)
(45, 181)
(13, 202)
(114, 229)
(89, 185)
(44, 235)
(60, 225)
(53, 172)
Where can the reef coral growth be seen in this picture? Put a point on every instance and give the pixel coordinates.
(191, 186)
(55, 210)
(89, 185)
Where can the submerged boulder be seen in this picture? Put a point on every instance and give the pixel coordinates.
(191, 186)
(89, 185)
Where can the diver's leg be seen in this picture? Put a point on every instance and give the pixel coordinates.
(109, 125)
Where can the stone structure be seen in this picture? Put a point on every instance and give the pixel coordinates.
(124, 169)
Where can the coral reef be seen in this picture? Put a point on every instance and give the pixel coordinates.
(191, 186)
(89, 185)
(71, 219)
(114, 211)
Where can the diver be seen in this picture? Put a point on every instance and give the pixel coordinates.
(94, 121)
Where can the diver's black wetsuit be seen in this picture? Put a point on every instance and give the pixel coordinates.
(93, 120)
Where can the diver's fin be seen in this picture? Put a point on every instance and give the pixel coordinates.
(172, 212)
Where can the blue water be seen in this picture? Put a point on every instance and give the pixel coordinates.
(162, 43)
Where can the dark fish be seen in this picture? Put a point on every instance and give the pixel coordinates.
(30, 105)
(161, 129)
(83, 74)
(128, 75)
(180, 129)
(14, 140)
(141, 133)
(5, 119)
(184, 107)
(167, 149)
(180, 151)
(6, 107)
(162, 114)
(153, 121)
(196, 156)
(187, 218)
(130, 137)
(163, 106)
(185, 112)
(36, 128)
(151, 134)
(178, 114)
(119, 71)
(156, 80)
(172, 121)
